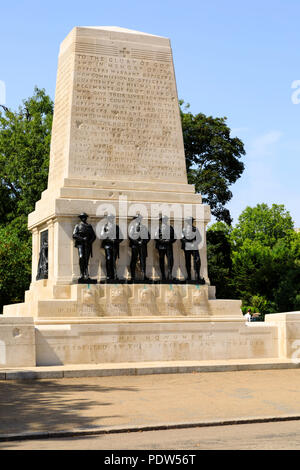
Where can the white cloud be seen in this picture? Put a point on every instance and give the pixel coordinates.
(263, 145)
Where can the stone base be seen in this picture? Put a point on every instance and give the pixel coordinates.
(80, 342)
(112, 323)
(60, 341)
(47, 301)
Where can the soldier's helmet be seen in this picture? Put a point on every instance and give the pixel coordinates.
(83, 215)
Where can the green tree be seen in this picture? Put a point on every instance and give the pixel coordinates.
(266, 259)
(24, 155)
(212, 159)
(257, 261)
(287, 258)
(219, 259)
(24, 160)
(15, 261)
(264, 224)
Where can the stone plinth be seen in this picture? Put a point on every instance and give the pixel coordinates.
(130, 340)
(122, 300)
(92, 340)
(17, 342)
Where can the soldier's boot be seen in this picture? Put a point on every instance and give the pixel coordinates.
(132, 272)
(82, 268)
(197, 264)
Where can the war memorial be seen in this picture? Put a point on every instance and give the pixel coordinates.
(119, 265)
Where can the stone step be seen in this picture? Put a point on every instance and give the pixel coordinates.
(142, 195)
(128, 185)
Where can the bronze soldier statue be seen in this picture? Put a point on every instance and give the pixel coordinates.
(138, 240)
(42, 272)
(84, 237)
(110, 234)
(189, 244)
(164, 239)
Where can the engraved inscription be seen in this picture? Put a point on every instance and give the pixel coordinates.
(125, 119)
(128, 343)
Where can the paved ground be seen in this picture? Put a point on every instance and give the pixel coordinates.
(85, 403)
(263, 436)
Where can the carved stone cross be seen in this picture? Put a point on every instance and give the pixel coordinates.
(124, 52)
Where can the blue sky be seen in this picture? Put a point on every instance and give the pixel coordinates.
(232, 58)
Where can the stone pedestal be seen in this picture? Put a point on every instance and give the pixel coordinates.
(46, 300)
(165, 339)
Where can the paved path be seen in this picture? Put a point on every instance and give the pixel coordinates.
(67, 404)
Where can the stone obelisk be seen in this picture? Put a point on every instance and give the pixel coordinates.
(116, 136)
(116, 110)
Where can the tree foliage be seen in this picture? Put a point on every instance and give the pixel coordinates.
(15, 261)
(24, 160)
(219, 258)
(24, 154)
(212, 159)
(263, 224)
(265, 259)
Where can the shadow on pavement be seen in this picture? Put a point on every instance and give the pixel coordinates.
(44, 405)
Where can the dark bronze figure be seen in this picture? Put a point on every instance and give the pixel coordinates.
(189, 244)
(42, 272)
(164, 239)
(138, 240)
(84, 237)
(110, 234)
